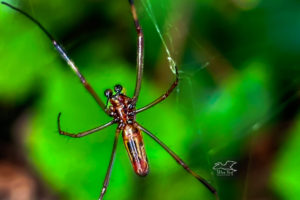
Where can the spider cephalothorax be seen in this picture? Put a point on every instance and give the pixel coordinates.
(122, 107)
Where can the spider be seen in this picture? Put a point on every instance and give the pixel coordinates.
(123, 110)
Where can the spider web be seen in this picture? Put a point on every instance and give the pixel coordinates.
(148, 7)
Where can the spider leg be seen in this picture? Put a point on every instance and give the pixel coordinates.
(64, 55)
(180, 162)
(140, 52)
(112, 158)
(82, 134)
(162, 97)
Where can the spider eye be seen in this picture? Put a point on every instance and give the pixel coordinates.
(108, 93)
(118, 88)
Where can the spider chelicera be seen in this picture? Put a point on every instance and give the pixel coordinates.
(123, 111)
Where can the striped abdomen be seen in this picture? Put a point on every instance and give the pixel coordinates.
(134, 145)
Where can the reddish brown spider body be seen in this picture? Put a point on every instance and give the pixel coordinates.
(134, 145)
(124, 113)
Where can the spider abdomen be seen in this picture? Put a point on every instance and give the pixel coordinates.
(134, 145)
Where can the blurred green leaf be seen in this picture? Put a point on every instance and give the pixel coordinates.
(285, 172)
(242, 101)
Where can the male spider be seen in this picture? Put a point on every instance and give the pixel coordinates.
(123, 110)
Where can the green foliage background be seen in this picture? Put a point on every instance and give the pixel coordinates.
(239, 82)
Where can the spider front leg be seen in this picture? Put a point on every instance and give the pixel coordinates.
(162, 97)
(87, 86)
(180, 162)
(82, 134)
(64, 55)
(140, 53)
